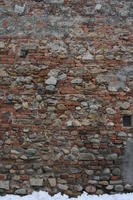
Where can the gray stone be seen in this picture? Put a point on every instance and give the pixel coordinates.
(2, 45)
(110, 187)
(78, 188)
(112, 156)
(99, 192)
(90, 189)
(89, 172)
(10, 97)
(76, 123)
(106, 171)
(98, 7)
(39, 98)
(21, 192)
(100, 78)
(122, 134)
(110, 111)
(31, 152)
(52, 182)
(93, 182)
(103, 183)
(36, 182)
(113, 88)
(62, 187)
(15, 152)
(124, 105)
(4, 185)
(119, 188)
(19, 9)
(88, 56)
(84, 104)
(116, 172)
(128, 187)
(50, 88)
(62, 77)
(70, 157)
(86, 156)
(51, 81)
(77, 81)
(117, 182)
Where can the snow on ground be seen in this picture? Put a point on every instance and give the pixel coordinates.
(84, 196)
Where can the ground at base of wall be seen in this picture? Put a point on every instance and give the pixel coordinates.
(84, 196)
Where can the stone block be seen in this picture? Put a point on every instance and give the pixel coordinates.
(4, 185)
(38, 182)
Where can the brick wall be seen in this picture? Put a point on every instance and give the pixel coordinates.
(66, 81)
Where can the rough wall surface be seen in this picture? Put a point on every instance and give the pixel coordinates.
(66, 80)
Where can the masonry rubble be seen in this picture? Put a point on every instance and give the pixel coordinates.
(66, 81)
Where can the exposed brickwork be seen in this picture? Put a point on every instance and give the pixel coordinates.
(66, 80)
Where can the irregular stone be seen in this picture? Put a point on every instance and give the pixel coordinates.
(31, 152)
(93, 182)
(85, 122)
(25, 105)
(15, 152)
(109, 187)
(117, 182)
(52, 182)
(124, 105)
(19, 9)
(17, 106)
(110, 111)
(70, 157)
(106, 171)
(61, 107)
(62, 77)
(21, 192)
(39, 98)
(88, 56)
(10, 97)
(54, 73)
(84, 104)
(112, 156)
(2, 45)
(86, 156)
(99, 57)
(36, 182)
(78, 108)
(51, 81)
(77, 81)
(103, 183)
(99, 192)
(122, 134)
(119, 188)
(116, 172)
(23, 157)
(98, 7)
(51, 88)
(100, 78)
(62, 187)
(78, 188)
(90, 189)
(110, 124)
(76, 123)
(4, 185)
(89, 172)
(113, 88)
(128, 187)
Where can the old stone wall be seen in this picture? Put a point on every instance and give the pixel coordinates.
(66, 84)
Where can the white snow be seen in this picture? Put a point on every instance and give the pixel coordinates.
(45, 196)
